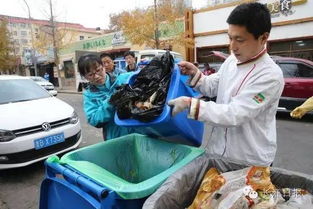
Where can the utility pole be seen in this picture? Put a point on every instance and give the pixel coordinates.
(156, 30)
(55, 49)
(33, 55)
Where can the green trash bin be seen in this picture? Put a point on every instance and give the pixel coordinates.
(133, 166)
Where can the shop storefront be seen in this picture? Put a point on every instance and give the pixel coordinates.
(291, 34)
(112, 43)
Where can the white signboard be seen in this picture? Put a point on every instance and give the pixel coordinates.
(118, 38)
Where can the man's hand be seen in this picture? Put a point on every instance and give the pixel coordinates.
(188, 68)
(179, 104)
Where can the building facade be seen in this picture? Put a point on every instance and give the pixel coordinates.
(291, 34)
(32, 41)
(114, 43)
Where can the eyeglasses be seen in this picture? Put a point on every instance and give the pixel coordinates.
(91, 75)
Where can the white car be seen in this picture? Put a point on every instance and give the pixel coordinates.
(33, 124)
(45, 84)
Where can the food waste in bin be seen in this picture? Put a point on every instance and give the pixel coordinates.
(144, 99)
(247, 188)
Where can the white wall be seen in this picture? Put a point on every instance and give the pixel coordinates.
(215, 20)
(213, 40)
(211, 21)
(277, 33)
(292, 31)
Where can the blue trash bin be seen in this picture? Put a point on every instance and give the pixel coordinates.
(118, 174)
(178, 129)
(65, 188)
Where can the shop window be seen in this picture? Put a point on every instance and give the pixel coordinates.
(280, 47)
(203, 55)
(24, 41)
(69, 71)
(302, 44)
(297, 48)
(23, 33)
(302, 54)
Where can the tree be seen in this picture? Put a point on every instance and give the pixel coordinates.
(43, 40)
(114, 22)
(7, 59)
(52, 37)
(138, 26)
(170, 10)
(148, 26)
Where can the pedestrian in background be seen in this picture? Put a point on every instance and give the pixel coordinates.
(248, 87)
(46, 76)
(131, 61)
(108, 64)
(208, 70)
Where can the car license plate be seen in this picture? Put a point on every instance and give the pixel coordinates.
(49, 141)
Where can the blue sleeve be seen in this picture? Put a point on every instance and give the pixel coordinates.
(121, 71)
(123, 78)
(98, 110)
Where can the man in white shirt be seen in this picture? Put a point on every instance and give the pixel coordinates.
(248, 87)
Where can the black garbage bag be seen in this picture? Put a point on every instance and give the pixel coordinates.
(145, 98)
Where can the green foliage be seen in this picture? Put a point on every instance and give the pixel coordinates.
(44, 39)
(140, 25)
(7, 60)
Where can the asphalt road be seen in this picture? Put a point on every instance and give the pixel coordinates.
(20, 188)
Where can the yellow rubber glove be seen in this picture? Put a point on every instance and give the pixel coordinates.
(300, 111)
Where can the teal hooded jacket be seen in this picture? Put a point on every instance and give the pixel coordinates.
(99, 112)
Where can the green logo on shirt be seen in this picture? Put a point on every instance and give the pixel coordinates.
(259, 98)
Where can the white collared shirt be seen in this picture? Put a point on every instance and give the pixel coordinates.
(243, 117)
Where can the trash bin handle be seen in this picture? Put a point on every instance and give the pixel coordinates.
(80, 181)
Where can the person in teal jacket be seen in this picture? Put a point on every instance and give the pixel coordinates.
(98, 110)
